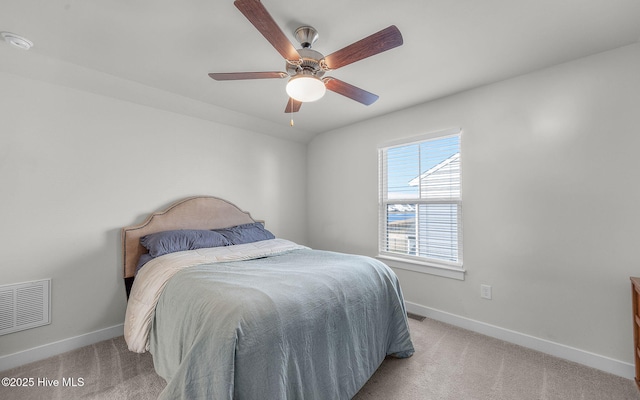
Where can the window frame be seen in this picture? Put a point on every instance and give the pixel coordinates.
(415, 263)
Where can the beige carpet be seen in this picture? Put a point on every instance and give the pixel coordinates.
(449, 364)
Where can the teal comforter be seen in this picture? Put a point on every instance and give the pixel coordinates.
(305, 324)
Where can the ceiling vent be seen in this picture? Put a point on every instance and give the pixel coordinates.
(17, 40)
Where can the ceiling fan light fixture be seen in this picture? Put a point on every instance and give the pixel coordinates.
(306, 88)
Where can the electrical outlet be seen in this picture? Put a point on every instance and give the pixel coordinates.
(485, 292)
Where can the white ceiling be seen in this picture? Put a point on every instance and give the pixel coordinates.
(141, 49)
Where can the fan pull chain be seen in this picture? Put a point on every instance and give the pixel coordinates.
(291, 112)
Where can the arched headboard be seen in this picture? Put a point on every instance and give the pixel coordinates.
(198, 212)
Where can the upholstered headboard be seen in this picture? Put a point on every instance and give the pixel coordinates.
(199, 212)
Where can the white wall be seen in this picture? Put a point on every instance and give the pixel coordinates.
(551, 200)
(75, 167)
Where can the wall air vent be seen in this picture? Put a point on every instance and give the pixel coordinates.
(24, 305)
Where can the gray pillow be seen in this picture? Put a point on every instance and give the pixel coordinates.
(165, 242)
(145, 258)
(246, 233)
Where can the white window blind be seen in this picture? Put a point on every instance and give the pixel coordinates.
(420, 200)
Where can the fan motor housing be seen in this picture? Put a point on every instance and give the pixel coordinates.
(310, 63)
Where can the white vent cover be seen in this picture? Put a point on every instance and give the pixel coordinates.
(24, 305)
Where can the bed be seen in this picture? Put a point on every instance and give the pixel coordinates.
(257, 318)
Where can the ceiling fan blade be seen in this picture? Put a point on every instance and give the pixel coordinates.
(234, 76)
(380, 41)
(350, 91)
(255, 12)
(292, 106)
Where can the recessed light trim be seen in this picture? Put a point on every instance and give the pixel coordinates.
(17, 40)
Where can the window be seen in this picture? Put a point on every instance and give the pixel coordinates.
(420, 206)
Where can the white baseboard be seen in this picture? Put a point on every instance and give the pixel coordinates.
(53, 349)
(606, 364)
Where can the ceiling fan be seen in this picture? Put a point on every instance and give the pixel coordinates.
(306, 67)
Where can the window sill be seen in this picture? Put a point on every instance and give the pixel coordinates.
(423, 267)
